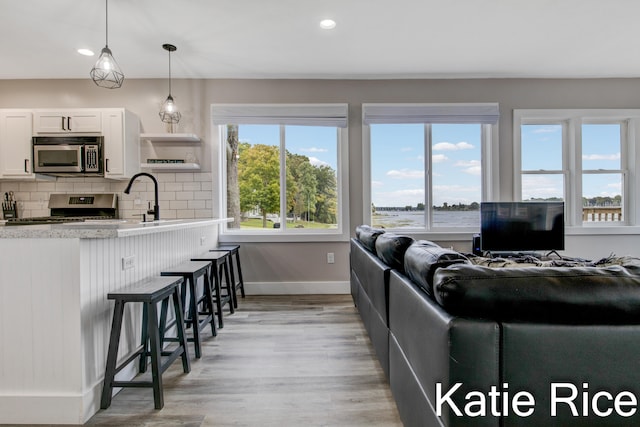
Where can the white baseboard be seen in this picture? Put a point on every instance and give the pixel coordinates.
(296, 288)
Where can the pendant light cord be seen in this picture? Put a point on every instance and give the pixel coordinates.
(106, 22)
(169, 72)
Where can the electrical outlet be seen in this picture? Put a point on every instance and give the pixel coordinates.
(128, 262)
(202, 239)
(331, 258)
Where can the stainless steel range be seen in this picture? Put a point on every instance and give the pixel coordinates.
(74, 208)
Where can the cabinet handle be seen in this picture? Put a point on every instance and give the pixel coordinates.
(26, 165)
(106, 165)
(63, 128)
(69, 123)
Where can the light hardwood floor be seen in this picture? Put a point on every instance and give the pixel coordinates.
(278, 361)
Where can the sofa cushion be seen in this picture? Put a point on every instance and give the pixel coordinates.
(569, 295)
(367, 235)
(423, 258)
(391, 247)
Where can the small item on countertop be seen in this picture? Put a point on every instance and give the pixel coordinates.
(9, 206)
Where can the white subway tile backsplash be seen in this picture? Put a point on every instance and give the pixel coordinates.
(184, 177)
(203, 213)
(166, 177)
(167, 195)
(178, 204)
(82, 187)
(184, 195)
(203, 177)
(191, 186)
(23, 186)
(168, 214)
(173, 186)
(196, 204)
(181, 195)
(125, 205)
(64, 187)
(202, 195)
(46, 186)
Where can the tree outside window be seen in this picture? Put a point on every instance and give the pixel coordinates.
(282, 177)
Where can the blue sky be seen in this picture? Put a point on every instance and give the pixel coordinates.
(318, 143)
(542, 149)
(398, 166)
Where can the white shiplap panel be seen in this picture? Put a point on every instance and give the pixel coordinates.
(37, 350)
(56, 317)
(153, 253)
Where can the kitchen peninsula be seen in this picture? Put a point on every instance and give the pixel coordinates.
(54, 314)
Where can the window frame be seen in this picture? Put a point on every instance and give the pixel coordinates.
(489, 163)
(284, 234)
(572, 121)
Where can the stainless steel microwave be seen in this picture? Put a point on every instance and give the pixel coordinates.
(68, 155)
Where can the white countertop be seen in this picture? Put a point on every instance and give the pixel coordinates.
(102, 229)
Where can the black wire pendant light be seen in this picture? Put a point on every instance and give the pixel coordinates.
(106, 73)
(169, 112)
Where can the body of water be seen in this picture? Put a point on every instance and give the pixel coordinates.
(415, 219)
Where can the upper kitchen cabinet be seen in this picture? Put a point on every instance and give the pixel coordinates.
(121, 131)
(67, 121)
(15, 144)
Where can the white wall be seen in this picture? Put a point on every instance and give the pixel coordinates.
(265, 260)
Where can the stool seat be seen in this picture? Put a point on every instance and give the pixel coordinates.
(148, 292)
(234, 252)
(191, 271)
(220, 266)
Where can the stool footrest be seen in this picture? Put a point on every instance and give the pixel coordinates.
(132, 383)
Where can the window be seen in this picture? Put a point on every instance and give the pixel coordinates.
(428, 164)
(284, 168)
(580, 157)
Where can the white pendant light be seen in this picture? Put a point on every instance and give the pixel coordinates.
(106, 73)
(169, 112)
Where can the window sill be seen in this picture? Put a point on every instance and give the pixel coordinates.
(279, 237)
(603, 230)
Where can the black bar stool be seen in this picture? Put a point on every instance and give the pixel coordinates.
(220, 266)
(238, 282)
(149, 292)
(191, 271)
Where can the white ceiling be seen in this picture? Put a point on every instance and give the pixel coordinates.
(282, 38)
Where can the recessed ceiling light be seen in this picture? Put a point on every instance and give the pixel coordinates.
(327, 24)
(86, 52)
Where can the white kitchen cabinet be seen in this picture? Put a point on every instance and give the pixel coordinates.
(67, 121)
(121, 131)
(15, 144)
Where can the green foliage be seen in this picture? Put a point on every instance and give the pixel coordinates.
(311, 191)
(259, 178)
(327, 197)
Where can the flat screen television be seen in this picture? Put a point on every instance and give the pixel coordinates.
(521, 226)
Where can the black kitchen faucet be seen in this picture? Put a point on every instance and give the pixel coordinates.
(156, 208)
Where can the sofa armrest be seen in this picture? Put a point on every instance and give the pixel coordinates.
(442, 348)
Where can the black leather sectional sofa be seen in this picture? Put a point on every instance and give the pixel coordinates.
(476, 342)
